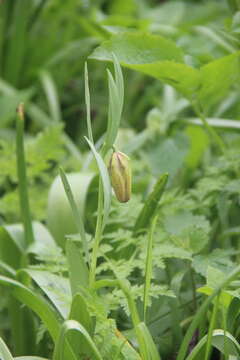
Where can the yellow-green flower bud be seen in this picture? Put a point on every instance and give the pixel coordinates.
(121, 175)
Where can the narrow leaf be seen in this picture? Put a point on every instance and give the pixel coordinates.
(78, 217)
(149, 209)
(22, 178)
(105, 180)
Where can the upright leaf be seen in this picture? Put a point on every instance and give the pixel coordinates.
(149, 209)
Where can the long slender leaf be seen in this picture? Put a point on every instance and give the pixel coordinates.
(201, 311)
(105, 181)
(34, 302)
(78, 217)
(218, 338)
(88, 106)
(149, 209)
(4, 352)
(22, 178)
(39, 305)
(72, 325)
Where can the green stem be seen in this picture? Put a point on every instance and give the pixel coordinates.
(217, 139)
(22, 178)
(211, 328)
(193, 287)
(148, 268)
(175, 313)
(98, 235)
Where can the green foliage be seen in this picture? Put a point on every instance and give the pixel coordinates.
(161, 280)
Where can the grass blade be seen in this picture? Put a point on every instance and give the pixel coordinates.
(22, 178)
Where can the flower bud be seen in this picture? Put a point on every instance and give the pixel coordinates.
(120, 174)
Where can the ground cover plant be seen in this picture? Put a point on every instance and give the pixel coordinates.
(119, 230)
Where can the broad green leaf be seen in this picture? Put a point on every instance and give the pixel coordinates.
(138, 48)
(4, 352)
(21, 317)
(78, 271)
(151, 205)
(217, 77)
(35, 302)
(55, 287)
(188, 231)
(147, 347)
(199, 142)
(11, 247)
(69, 326)
(218, 258)
(223, 341)
(60, 219)
(233, 313)
(79, 312)
(43, 240)
(152, 55)
(77, 215)
(168, 156)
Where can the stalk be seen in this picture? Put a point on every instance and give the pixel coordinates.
(22, 178)
(98, 235)
(211, 328)
(216, 138)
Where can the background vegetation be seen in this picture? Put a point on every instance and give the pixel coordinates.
(83, 276)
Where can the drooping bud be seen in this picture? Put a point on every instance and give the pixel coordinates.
(121, 175)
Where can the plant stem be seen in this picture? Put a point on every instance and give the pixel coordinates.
(175, 313)
(217, 139)
(193, 287)
(98, 235)
(22, 178)
(211, 328)
(148, 268)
